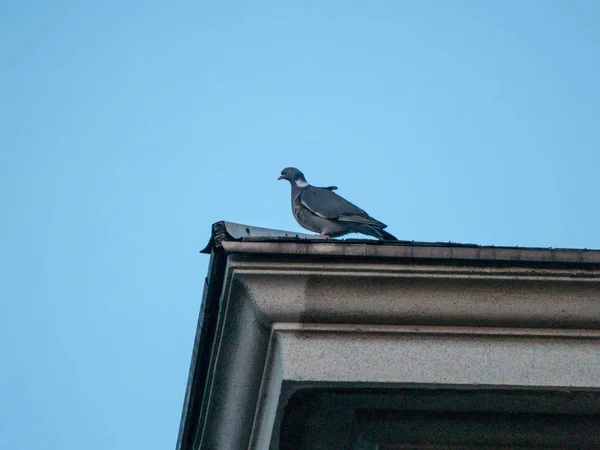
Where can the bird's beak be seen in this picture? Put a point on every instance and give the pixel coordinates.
(280, 178)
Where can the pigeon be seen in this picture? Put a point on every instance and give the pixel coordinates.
(321, 210)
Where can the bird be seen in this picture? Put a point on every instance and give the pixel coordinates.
(322, 211)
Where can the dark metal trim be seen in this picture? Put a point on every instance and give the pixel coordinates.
(201, 355)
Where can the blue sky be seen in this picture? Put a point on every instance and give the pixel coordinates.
(128, 128)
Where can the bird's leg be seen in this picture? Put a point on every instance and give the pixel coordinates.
(324, 235)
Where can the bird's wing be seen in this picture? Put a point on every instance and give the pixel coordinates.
(328, 205)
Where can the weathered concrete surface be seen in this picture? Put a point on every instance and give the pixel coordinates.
(384, 294)
(291, 314)
(419, 357)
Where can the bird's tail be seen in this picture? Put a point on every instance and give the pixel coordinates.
(380, 234)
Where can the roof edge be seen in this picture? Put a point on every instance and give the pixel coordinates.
(230, 231)
(239, 238)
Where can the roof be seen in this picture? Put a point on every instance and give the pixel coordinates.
(245, 241)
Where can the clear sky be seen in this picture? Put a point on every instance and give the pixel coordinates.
(128, 128)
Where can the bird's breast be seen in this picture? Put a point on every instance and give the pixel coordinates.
(296, 207)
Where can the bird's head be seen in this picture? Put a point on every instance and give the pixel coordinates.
(293, 175)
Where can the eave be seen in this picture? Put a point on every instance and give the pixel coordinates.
(286, 285)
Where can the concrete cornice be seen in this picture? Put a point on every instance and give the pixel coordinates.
(410, 294)
(281, 315)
